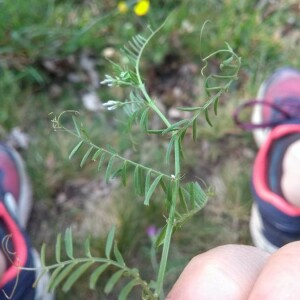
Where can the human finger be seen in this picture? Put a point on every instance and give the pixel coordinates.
(279, 279)
(225, 272)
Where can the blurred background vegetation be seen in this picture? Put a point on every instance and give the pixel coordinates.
(53, 54)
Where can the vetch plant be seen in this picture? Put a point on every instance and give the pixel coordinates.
(182, 199)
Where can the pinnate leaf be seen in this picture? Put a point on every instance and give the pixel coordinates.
(109, 241)
(101, 160)
(58, 248)
(54, 275)
(43, 255)
(69, 243)
(62, 275)
(118, 255)
(127, 289)
(87, 248)
(75, 149)
(160, 238)
(76, 126)
(96, 274)
(138, 180)
(112, 281)
(85, 157)
(75, 276)
(124, 173)
(97, 154)
(109, 169)
(152, 189)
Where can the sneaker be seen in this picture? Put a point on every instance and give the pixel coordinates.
(274, 222)
(277, 101)
(15, 206)
(275, 123)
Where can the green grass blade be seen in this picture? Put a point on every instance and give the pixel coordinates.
(75, 276)
(96, 274)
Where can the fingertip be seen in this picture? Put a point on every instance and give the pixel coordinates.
(279, 279)
(225, 272)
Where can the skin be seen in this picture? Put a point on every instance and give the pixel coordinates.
(290, 180)
(237, 272)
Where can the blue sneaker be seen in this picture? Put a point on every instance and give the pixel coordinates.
(15, 206)
(276, 125)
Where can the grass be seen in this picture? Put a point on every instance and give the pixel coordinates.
(33, 32)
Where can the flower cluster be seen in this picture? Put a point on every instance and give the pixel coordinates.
(141, 7)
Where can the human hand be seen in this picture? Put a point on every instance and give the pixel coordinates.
(237, 272)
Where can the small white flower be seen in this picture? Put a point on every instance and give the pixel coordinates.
(112, 107)
(111, 104)
(108, 80)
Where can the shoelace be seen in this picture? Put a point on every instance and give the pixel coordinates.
(2, 191)
(285, 109)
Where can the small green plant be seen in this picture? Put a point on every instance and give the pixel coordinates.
(182, 199)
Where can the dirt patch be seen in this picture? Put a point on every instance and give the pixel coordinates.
(84, 205)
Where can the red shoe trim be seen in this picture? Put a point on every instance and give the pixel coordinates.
(260, 171)
(19, 246)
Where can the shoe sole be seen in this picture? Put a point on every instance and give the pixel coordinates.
(256, 231)
(24, 204)
(21, 209)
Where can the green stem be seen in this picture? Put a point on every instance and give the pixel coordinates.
(177, 158)
(141, 282)
(166, 246)
(170, 225)
(153, 105)
(160, 114)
